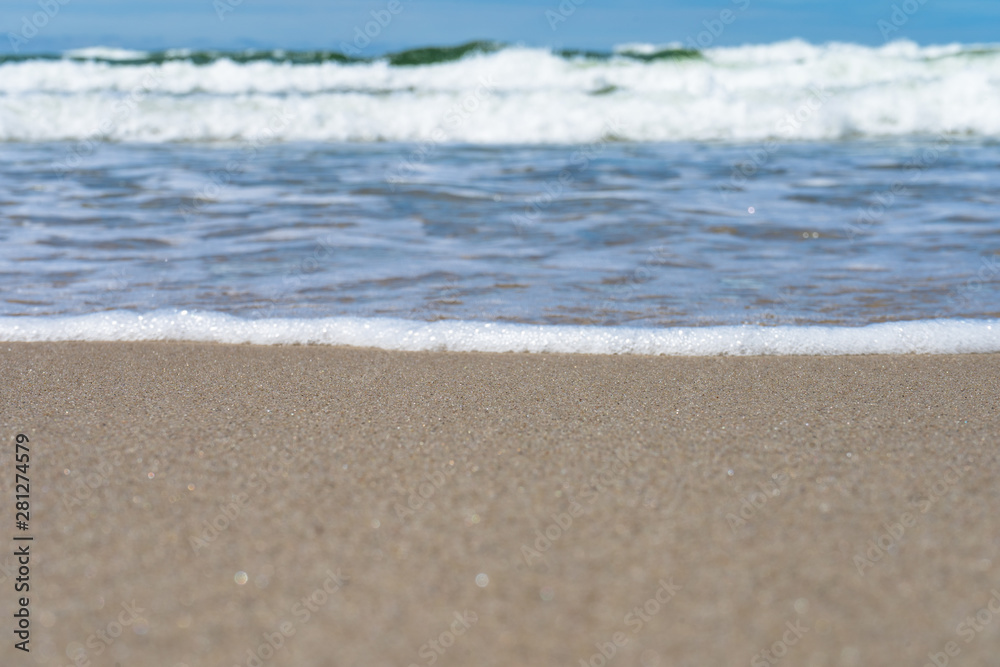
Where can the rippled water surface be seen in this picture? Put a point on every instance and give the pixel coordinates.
(609, 233)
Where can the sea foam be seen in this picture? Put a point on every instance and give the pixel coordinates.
(915, 337)
(787, 91)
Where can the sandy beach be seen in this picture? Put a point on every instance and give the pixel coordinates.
(213, 505)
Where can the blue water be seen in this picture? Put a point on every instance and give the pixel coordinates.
(637, 234)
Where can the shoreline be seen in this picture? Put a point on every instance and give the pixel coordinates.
(944, 336)
(504, 508)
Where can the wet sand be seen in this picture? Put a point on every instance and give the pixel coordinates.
(212, 505)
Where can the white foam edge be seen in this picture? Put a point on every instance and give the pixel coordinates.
(945, 336)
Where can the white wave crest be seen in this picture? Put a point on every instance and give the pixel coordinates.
(785, 91)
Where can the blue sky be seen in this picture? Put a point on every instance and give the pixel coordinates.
(306, 24)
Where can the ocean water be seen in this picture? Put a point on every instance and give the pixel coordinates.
(773, 199)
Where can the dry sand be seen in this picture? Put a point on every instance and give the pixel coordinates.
(315, 453)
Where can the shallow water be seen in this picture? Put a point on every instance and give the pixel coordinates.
(600, 233)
